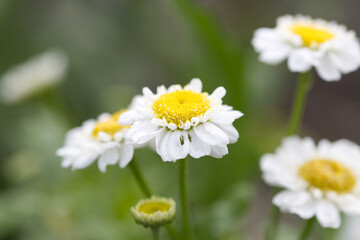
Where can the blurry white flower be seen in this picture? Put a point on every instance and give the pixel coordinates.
(154, 212)
(102, 139)
(182, 121)
(304, 42)
(319, 180)
(34, 75)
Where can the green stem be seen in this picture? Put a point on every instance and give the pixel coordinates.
(307, 229)
(184, 198)
(139, 178)
(156, 233)
(299, 103)
(272, 228)
(296, 116)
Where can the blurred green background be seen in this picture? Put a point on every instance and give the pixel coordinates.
(116, 47)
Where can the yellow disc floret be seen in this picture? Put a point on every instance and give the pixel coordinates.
(311, 35)
(328, 175)
(109, 126)
(181, 106)
(154, 206)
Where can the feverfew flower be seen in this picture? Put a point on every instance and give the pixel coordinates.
(154, 212)
(33, 76)
(305, 42)
(182, 121)
(102, 139)
(319, 181)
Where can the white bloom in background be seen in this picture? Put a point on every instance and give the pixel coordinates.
(31, 77)
(305, 42)
(319, 181)
(102, 139)
(182, 121)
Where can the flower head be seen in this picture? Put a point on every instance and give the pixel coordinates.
(182, 121)
(305, 42)
(319, 180)
(102, 139)
(154, 212)
(33, 76)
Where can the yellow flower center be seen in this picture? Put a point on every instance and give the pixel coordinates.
(328, 175)
(181, 106)
(311, 35)
(109, 126)
(153, 207)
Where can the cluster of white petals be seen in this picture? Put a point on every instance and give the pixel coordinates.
(206, 134)
(82, 147)
(301, 197)
(328, 47)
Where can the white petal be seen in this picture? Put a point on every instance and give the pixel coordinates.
(103, 136)
(230, 131)
(300, 61)
(219, 93)
(84, 161)
(296, 202)
(327, 214)
(287, 199)
(275, 54)
(66, 162)
(346, 62)
(351, 206)
(211, 134)
(196, 85)
(126, 154)
(327, 70)
(177, 150)
(109, 157)
(305, 210)
(198, 148)
(159, 138)
(225, 117)
(148, 93)
(265, 38)
(219, 151)
(142, 132)
(163, 149)
(129, 117)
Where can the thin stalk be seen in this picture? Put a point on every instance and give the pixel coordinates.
(184, 198)
(272, 228)
(307, 229)
(298, 108)
(156, 233)
(140, 180)
(303, 87)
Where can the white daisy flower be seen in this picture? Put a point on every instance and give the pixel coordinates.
(102, 139)
(305, 42)
(33, 76)
(182, 121)
(319, 181)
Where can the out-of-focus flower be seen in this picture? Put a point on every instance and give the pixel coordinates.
(33, 76)
(182, 121)
(319, 180)
(154, 212)
(102, 139)
(305, 42)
